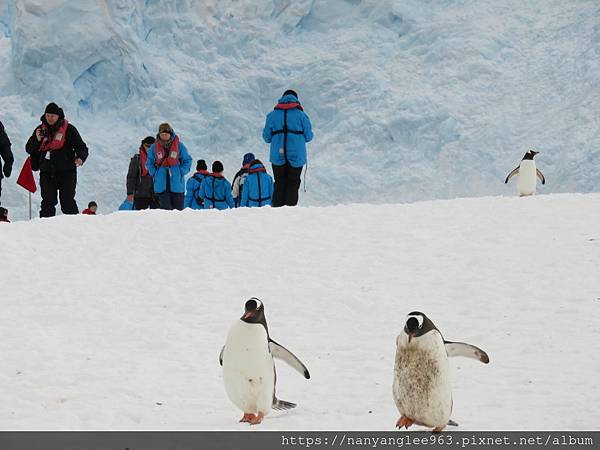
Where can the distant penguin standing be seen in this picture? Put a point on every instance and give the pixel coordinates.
(248, 366)
(527, 173)
(422, 389)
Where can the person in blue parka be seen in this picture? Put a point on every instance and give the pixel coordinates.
(168, 163)
(192, 187)
(287, 129)
(258, 187)
(216, 190)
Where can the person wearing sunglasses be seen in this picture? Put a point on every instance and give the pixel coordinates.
(168, 163)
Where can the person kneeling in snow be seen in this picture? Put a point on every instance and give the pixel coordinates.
(216, 190)
(258, 187)
(237, 186)
(91, 209)
(168, 162)
(192, 188)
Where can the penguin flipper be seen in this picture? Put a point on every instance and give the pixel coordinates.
(511, 174)
(221, 356)
(466, 350)
(281, 405)
(280, 352)
(540, 175)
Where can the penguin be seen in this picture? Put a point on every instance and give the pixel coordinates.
(421, 388)
(248, 367)
(527, 173)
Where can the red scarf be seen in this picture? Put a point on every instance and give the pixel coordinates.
(143, 159)
(289, 106)
(56, 140)
(167, 159)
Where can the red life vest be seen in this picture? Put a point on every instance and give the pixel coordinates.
(289, 106)
(164, 158)
(54, 141)
(258, 169)
(88, 211)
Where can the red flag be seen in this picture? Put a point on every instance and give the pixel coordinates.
(26, 179)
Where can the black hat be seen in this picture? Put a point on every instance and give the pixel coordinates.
(148, 140)
(217, 167)
(290, 92)
(201, 165)
(90, 204)
(52, 108)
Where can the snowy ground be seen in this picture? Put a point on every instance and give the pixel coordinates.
(116, 322)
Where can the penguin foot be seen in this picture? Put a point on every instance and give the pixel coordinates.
(247, 417)
(256, 419)
(438, 429)
(404, 421)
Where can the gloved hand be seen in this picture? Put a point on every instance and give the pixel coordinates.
(7, 169)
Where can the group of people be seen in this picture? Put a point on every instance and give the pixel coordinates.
(155, 178)
(156, 175)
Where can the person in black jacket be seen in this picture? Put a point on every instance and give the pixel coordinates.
(56, 150)
(140, 190)
(6, 155)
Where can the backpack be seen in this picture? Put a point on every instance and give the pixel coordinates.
(196, 191)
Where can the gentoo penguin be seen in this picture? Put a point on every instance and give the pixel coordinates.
(248, 366)
(422, 390)
(527, 173)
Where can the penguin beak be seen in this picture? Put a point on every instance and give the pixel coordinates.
(410, 336)
(248, 314)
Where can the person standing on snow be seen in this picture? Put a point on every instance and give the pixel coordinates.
(258, 187)
(168, 163)
(287, 129)
(139, 180)
(56, 150)
(216, 190)
(192, 187)
(6, 155)
(237, 186)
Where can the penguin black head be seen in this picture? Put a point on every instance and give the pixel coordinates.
(417, 324)
(530, 155)
(254, 311)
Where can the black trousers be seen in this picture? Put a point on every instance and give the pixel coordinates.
(144, 203)
(0, 191)
(171, 200)
(55, 186)
(287, 183)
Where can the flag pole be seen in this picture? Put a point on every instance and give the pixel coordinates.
(30, 206)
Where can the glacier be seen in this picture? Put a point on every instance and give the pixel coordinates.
(409, 100)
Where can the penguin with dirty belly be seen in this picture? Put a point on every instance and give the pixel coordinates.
(527, 173)
(422, 389)
(248, 366)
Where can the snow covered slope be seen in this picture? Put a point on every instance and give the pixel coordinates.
(108, 323)
(410, 100)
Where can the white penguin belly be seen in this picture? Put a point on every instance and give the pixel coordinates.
(527, 178)
(248, 368)
(422, 389)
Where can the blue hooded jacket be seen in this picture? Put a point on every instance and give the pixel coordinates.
(216, 192)
(192, 190)
(291, 146)
(176, 173)
(258, 187)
